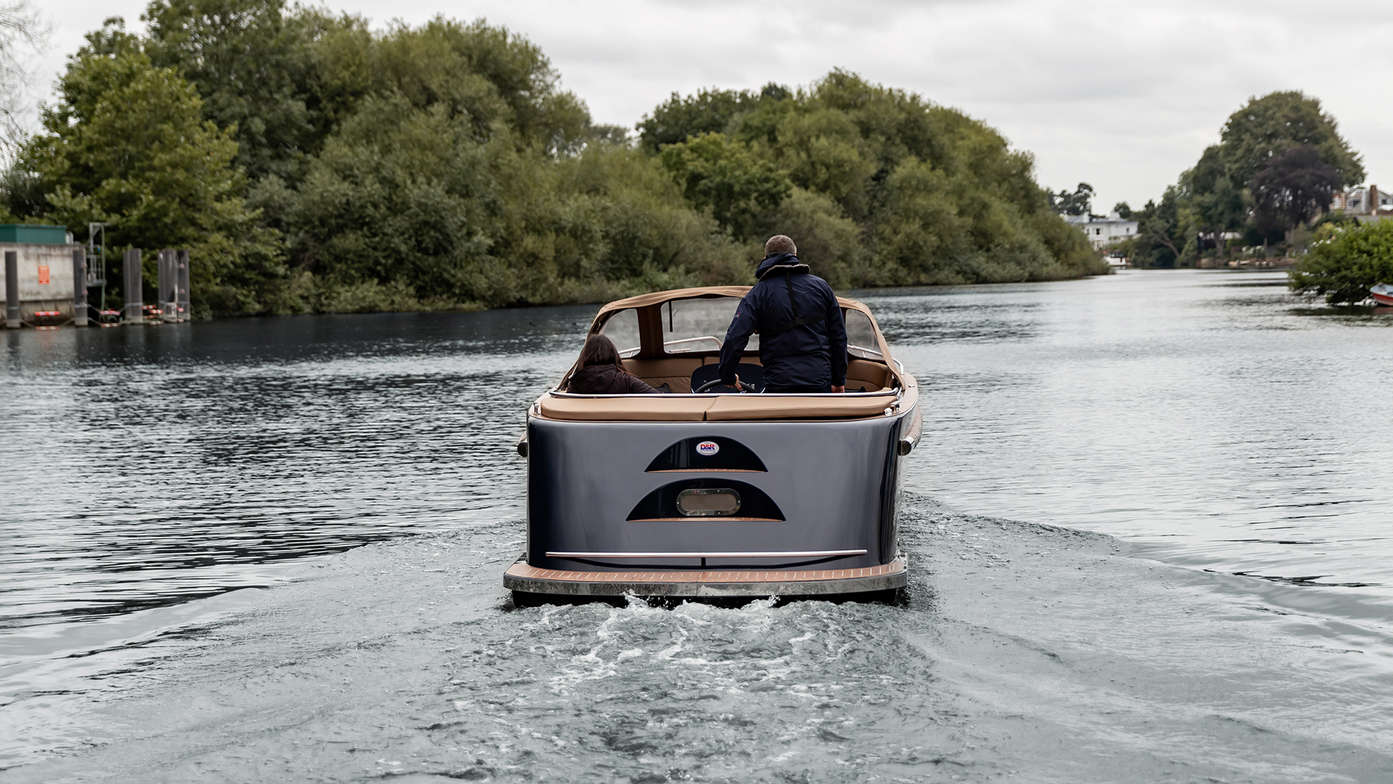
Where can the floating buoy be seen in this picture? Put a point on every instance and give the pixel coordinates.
(47, 318)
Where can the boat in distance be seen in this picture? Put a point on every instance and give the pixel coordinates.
(705, 491)
(1381, 294)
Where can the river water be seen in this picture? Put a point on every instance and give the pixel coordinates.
(1147, 528)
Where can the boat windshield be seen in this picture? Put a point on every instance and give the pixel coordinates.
(860, 336)
(622, 328)
(699, 324)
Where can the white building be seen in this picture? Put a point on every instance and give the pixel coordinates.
(1103, 231)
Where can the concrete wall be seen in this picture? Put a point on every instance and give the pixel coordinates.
(57, 293)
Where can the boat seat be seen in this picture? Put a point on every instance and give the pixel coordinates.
(865, 373)
(676, 372)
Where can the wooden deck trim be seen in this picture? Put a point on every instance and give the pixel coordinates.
(714, 576)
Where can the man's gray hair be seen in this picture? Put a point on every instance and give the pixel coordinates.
(779, 243)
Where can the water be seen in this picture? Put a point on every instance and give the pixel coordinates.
(1143, 528)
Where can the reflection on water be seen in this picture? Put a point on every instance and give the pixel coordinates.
(1211, 413)
(149, 467)
(1208, 419)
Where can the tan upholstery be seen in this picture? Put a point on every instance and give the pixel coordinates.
(739, 407)
(731, 407)
(865, 373)
(676, 372)
(647, 408)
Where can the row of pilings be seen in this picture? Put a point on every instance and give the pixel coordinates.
(172, 297)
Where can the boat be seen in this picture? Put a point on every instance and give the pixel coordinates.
(709, 492)
(1382, 294)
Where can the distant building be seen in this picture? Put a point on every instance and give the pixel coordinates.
(1364, 203)
(1103, 231)
(45, 269)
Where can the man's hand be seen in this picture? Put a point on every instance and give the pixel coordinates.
(839, 387)
(737, 383)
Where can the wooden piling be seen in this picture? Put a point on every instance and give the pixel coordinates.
(134, 311)
(181, 282)
(166, 286)
(79, 287)
(12, 319)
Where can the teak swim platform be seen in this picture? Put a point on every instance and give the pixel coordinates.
(715, 493)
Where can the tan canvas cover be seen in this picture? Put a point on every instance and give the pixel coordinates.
(659, 297)
(733, 407)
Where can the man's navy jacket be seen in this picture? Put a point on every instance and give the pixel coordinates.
(802, 338)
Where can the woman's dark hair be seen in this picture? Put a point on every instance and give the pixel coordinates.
(600, 350)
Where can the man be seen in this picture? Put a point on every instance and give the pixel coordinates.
(802, 338)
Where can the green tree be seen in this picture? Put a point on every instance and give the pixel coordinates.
(485, 74)
(252, 64)
(404, 198)
(1161, 234)
(1293, 187)
(919, 232)
(126, 143)
(1345, 261)
(719, 174)
(822, 150)
(1266, 127)
(680, 118)
(440, 165)
(646, 235)
(1210, 202)
(1076, 202)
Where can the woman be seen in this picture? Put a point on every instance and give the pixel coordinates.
(601, 372)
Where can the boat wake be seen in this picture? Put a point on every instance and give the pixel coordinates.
(1024, 652)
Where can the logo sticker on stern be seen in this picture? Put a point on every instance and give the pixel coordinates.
(707, 448)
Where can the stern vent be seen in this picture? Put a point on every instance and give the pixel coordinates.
(706, 500)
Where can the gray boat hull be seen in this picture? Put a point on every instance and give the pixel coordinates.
(817, 500)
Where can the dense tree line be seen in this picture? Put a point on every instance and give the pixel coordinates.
(312, 163)
(1279, 161)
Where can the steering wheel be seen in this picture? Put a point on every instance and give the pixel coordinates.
(716, 382)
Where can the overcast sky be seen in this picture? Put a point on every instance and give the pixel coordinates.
(1123, 95)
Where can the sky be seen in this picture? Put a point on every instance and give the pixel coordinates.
(1122, 95)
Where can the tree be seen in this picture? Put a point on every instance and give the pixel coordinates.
(1345, 261)
(721, 175)
(1079, 202)
(254, 65)
(486, 74)
(1160, 232)
(1293, 187)
(126, 143)
(822, 150)
(1266, 127)
(440, 165)
(1210, 201)
(1123, 210)
(678, 119)
(20, 30)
